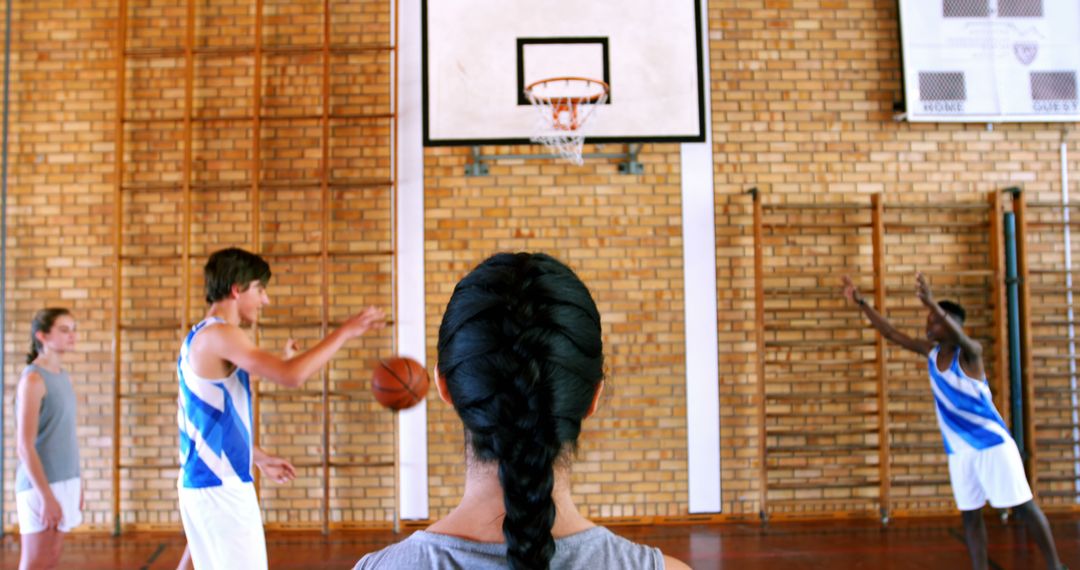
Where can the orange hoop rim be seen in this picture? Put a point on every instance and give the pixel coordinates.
(573, 100)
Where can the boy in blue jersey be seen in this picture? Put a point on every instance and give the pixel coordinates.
(984, 463)
(218, 505)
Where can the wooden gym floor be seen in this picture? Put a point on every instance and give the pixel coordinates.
(923, 543)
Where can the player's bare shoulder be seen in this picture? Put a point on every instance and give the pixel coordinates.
(209, 349)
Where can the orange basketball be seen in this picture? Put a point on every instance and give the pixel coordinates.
(399, 382)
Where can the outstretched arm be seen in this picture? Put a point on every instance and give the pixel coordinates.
(233, 345)
(882, 325)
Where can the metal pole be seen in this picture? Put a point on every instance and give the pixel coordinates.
(1016, 407)
(1069, 308)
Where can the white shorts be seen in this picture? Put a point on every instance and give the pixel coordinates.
(224, 527)
(29, 503)
(995, 474)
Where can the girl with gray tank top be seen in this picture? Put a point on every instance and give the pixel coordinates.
(521, 361)
(48, 490)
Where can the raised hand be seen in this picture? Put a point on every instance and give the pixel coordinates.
(371, 318)
(290, 349)
(922, 290)
(851, 292)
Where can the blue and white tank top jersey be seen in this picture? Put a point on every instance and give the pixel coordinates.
(215, 420)
(965, 411)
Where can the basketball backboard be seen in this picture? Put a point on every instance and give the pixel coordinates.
(479, 55)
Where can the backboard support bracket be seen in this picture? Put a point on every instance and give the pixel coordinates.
(628, 160)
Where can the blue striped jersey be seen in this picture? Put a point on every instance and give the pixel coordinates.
(214, 418)
(965, 411)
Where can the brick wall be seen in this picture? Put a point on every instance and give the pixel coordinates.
(802, 99)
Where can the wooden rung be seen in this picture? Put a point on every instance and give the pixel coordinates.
(362, 116)
(1042, 426)
(949, 289)
(290, 254)
(1050, 305)
(194, 119)
(274, 184)
(290, 325)
(840, 396)
(156, 326)
(776, 271)
(916, 482)
(361, 182)
(805, 291)
(1052, 223)
(825, 362)
(151, 186)
(937, 207)
(316, 48)
(1054, 339)
(910, 393)
(360, 254)
(148, 467)
(926, 430)
(801, 225)
(1057, 478)
(318, 117)
(795, 208)
(1053, 271)
(156, 257)
(1056, 205)
(179, 51)
(838, 308)
(793, 377)
(816, 501)
(917, 445)
(1055, 357)
(823, 343)
(1045, 390)
(309, 395)
(811, 448)
(1067, 409)
(358, 464)
(833, 485)
(1055, 322)
(1062, 289)
(1055, 442)
(149, 397)
(812, 430)
(935, 225)
(307, 464)
(1057, 493)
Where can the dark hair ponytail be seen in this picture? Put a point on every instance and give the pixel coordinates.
(521, 353)
(43, 322)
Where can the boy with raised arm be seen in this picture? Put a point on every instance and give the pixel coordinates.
(984, 463)
(218, 505)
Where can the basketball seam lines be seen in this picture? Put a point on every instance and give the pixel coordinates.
(400, 381)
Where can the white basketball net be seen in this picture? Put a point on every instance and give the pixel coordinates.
(563, 107)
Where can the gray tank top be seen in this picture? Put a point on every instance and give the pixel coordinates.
(594, 549)
(56, 444)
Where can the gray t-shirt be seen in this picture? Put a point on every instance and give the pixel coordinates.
(594, 549)
(56, 442)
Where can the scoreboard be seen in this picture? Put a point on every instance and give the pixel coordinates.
(991, 60)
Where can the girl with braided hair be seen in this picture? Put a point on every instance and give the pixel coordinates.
(521, 360)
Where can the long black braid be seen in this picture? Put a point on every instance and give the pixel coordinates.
(521, 354)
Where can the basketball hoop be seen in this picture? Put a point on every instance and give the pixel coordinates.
(564, 105)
